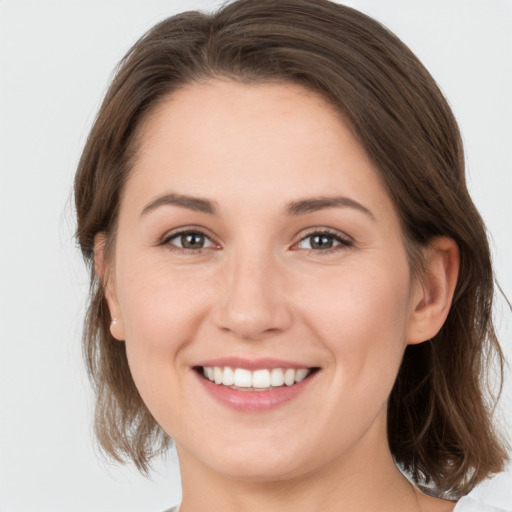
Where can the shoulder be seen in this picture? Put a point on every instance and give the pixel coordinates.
(432, 500)
(469, 504)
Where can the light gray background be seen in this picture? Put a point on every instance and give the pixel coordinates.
(56, 59)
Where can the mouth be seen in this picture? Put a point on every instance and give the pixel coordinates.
(260, 380)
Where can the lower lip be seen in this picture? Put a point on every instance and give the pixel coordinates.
(254, 401)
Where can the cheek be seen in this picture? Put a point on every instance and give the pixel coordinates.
(161, 312)
(360, 318)
(361, 315)
(156, 299)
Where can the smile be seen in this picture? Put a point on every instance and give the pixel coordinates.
(261, 388)
(243, 379)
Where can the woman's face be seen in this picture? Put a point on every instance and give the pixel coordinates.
(255, 235)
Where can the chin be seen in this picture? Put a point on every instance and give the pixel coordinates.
(256, 461)
(260, 470)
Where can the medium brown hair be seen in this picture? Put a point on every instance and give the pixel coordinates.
(439, 413)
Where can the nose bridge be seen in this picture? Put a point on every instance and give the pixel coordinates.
(253, 305)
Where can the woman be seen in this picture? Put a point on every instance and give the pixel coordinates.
(289, 278)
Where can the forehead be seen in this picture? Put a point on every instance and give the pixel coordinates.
(218, 114)
(231, 140)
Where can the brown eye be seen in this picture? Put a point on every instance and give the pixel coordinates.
(321, 241)
(324, 241)
(189, 240)
(192, 241)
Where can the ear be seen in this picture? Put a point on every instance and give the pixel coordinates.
(104, 273)
(432, 295)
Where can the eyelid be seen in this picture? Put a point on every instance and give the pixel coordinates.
(165, 240)
(343, 239)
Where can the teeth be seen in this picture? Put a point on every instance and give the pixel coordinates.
(228, 378)
(218, 376)
(243, 378)
(261, 379)
(258, 379)
(301, 374)
(277, 377)
(289, 377)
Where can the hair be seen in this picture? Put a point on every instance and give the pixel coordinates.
(440, 426)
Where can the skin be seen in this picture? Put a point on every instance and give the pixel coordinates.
(258, 289)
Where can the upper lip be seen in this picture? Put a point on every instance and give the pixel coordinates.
(252, 364)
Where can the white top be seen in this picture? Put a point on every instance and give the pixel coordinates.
(469, 504)
(465, 504)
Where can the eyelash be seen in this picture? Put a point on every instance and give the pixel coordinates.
(189, 231)
(343, 240)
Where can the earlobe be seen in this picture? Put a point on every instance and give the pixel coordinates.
(433, 296)
(101, 267)
(116, 329)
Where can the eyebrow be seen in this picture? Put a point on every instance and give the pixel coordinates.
(192, 203)
(315, 204)
(293, 208)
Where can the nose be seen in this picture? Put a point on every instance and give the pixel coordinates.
(252, 304)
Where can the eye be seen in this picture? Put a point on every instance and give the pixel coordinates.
(189, 240)
(324, 241)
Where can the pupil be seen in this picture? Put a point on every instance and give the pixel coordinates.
(321, 242)
(192, 241)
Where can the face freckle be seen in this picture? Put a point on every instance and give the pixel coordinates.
(255, 230)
